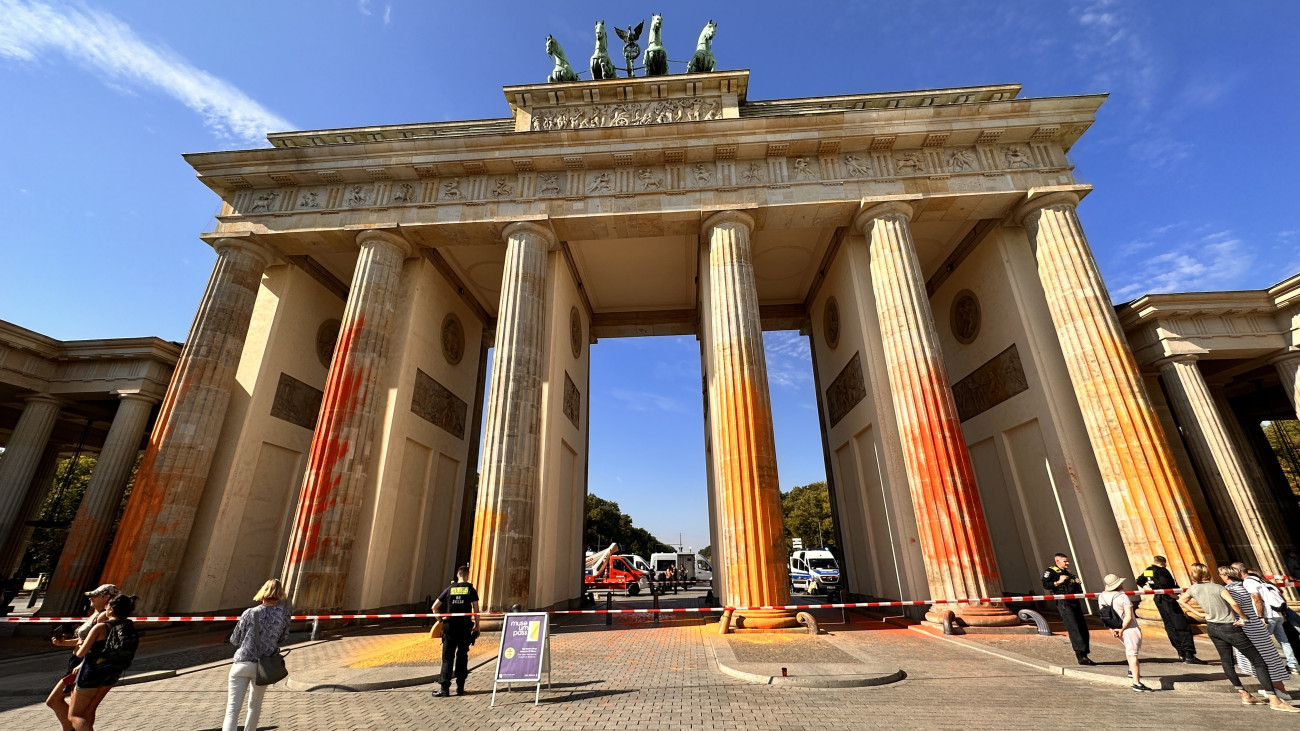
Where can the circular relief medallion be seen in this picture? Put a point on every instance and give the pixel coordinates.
(453, 339)
(326, 337)
(965, 317)
(575, 332)
(831, 323)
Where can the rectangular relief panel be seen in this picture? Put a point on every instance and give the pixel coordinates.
(999, 379)
(434, 403)
(846, 391)
(572, 400)
(296, 402)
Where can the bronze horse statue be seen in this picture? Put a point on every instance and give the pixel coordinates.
(703, 60)
(656, 56)
(601, 65)
(562, 71)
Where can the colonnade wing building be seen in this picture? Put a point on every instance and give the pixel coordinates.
(980, 406)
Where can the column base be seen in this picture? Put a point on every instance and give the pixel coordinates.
(765, 619)
(974, 615)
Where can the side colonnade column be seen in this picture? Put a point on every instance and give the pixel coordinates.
(740, 421)
(501, 554)
(22, 459)
(342, 448)
(1288, 369)
(955, 542)
(155, 528)
(1152, 507)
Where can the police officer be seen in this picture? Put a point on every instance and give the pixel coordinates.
(1057, 579)
(458, 633)
(1157, 576)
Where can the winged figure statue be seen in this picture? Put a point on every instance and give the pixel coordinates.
(630, 49)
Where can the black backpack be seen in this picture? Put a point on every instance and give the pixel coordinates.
(119, 647)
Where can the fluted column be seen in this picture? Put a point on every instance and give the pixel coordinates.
(1152, 507)
(955, 542)
(1288, 369)
(342, 448)
(155, 528)
(740, 423)
(22, 456)
(79, 561)
(501, 555)
(15, 546)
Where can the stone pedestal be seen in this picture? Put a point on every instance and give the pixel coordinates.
(955, 543)
(750, 533)
(16, 545)
(155, 528)
(501, 554)
(1288, 369)
(22, 457)
(341, 457)
(79, 563)
(1152, 507)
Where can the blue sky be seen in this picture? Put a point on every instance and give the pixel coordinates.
(1191, 156)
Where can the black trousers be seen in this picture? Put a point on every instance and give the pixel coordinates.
(1071, 611)
(1180, 634)
(455, 651)
(1227, 636)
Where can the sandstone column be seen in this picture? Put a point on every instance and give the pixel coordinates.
(155, 528)
(1152, 507)
(14, 548)
(740, 423)
(342, 449)
(1288, 369)
(955, 542)
(22, 457)
(79, 562)
(502, 552)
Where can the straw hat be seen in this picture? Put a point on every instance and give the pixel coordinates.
(1112, 582)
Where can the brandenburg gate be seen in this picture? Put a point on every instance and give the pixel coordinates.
(980, 407)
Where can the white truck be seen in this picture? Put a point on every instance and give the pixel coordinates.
(813, 572)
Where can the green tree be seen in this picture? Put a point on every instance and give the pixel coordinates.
(806, 511)
(607, 524)
(707, 553)
(1284, 438)
(46, 543)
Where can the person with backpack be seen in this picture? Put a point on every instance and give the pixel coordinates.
(1256, 631)
(58, 699)
(1273, 609)
(106, 653)
(258, 635)
(1117, 613)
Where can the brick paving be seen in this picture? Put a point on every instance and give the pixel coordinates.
(636, 675)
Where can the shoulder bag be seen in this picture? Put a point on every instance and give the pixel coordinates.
(270, 669)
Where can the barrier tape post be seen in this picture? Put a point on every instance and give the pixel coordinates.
(609, 606)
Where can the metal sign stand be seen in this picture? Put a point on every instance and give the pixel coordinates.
(544, 666)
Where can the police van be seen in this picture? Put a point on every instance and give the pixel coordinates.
(814, 572)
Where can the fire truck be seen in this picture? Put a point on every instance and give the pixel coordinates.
(608, 570)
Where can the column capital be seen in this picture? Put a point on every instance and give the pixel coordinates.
(1037, 203)
(1185, 358)
(872, 211)
(724, 217)
(1285, 356)
(45, 398)
(137, 396)
(245, 246)
(393, 241)
(532, 228)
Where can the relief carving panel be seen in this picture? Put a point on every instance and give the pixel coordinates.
(296, 402)
(846, 391)
(572, 400)
(999, 379)
(627, 114)
(435, 404)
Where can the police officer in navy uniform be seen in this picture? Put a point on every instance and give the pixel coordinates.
(458, 633)
(1157, 576)
(1057, 579)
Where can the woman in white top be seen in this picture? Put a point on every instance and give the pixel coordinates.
(58, 699)
(1128, 631)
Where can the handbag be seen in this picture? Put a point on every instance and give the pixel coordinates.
(270, 669)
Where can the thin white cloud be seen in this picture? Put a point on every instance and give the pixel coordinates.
(364, 6)
(110, 48)
(1215, 261)
(646, 401)
(388, 14)
(789, 362)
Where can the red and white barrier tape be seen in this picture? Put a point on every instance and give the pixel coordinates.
(668, 610)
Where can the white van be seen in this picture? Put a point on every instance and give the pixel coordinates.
(703, 569)
(813, 571)
(683, 563)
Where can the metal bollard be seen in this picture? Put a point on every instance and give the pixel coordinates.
(654, 593)
(609, 604)
(315, 629)
(1029, 615)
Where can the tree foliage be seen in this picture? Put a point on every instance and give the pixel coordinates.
(607, 524)
(60, 507)
(806, 511)
(707, 552)
(1284, 438)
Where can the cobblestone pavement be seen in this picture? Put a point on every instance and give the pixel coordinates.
(636, 676)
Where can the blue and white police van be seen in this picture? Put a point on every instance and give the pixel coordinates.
(814, 572)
